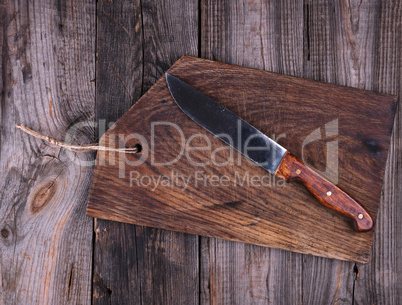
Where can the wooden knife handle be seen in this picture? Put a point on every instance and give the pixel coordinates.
(293, 169)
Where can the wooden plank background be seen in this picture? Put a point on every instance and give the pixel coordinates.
(52, 51)
(46, 82)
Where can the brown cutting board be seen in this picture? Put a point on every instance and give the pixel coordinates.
(179, 181)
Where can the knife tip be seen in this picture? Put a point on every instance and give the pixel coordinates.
(170, 79)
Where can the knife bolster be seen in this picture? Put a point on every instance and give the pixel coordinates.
(327, 193)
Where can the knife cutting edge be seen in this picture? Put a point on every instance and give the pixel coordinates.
(264, 151)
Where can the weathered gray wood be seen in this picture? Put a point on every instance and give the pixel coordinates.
(342, 48)
(380, 282)
(236, 273)
(115, 276)
(291, 219)
(137, 42)
(323, 60)
(47, 53)
(169, 272)
(327, 281)
(266, 35)
(119, 54)
(356, 44)
(341, 44)
(47, 64)
(170, 31)
(170, 259)
(118, 85)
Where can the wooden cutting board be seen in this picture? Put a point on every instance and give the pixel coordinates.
(340, 131)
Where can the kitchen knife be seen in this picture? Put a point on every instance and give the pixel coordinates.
(252, 143)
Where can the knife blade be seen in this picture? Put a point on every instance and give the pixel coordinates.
(264, 151)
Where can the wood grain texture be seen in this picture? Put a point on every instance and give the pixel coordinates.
(266, 35)
(380, 282)
(327, 280)
(118, 85)
(238, 273)
(327, 193)
(191, 209)
(137, 42)
(115, 277)
(47, 64)
(355, 43)
(45, 252)
(170, 259)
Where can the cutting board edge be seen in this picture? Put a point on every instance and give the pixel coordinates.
(186, 57)
(363, 259)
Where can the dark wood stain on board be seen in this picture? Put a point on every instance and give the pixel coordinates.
(288, 216)
(137, 42)
(46, 259)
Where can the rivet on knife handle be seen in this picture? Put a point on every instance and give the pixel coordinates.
(271, 156)
(327, 193)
